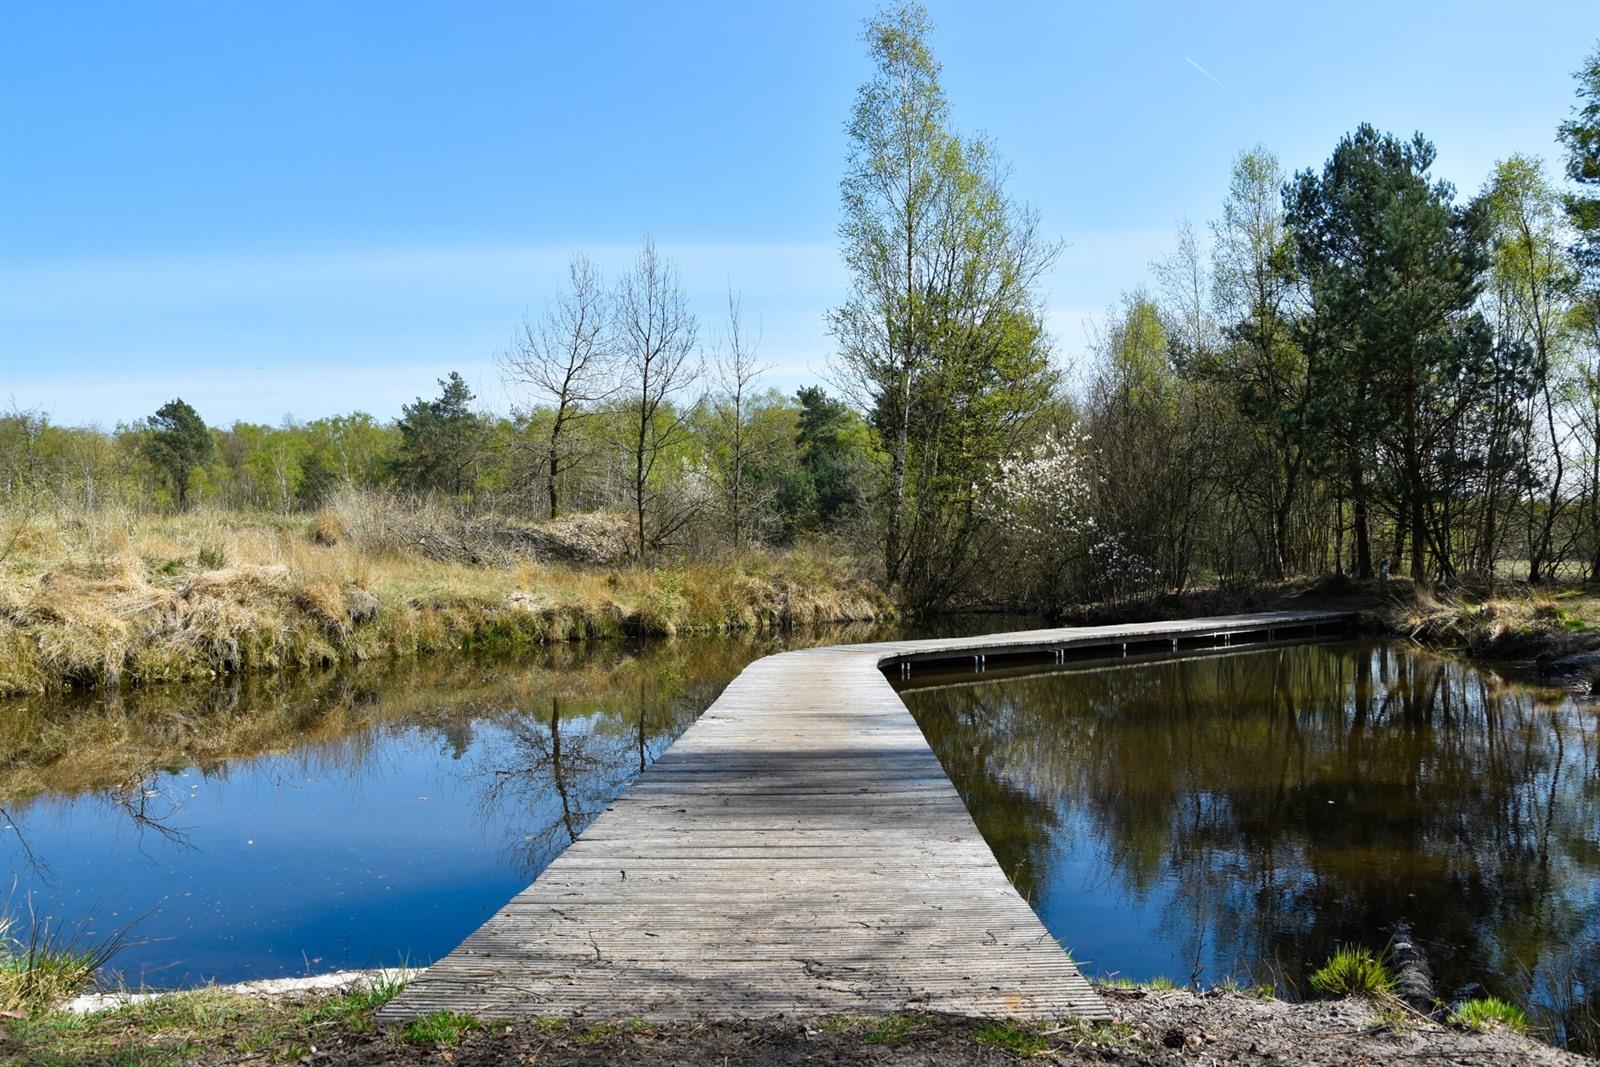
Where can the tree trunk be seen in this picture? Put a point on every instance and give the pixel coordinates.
(1359, 530)
(1418, 535)
(555, 464)
(638, 476)
(897, 486)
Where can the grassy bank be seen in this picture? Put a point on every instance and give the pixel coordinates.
(1552, 630)
(1509, 622)
(107, 597)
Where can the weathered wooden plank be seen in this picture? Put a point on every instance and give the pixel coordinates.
(799, 850)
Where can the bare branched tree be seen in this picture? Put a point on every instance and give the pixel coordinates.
(735, 444)
(657, 334)
(567, 356)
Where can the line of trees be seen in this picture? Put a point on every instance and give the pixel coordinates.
(1352, 366)
(1359, 366)
(619, 415)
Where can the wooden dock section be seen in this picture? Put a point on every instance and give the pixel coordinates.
(798, 851)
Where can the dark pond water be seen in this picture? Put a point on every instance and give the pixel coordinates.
(1242, 815)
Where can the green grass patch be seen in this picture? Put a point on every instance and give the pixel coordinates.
(49, 962)
(1015, 1039)
(172, 1030)
(890, 1030)
(596, 1033)
(439, 1028)
(1353, 971)
(1259, 990)
(1489, 1013)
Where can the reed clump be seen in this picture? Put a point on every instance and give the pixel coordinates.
(1489, 1013)
(42, 963)
(1507, 623)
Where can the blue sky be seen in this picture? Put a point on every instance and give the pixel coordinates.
(307, 208)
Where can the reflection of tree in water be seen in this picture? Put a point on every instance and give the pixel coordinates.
(553, 755)
(567, 751)
(122, 747)
(977, 730)
(1290, 800)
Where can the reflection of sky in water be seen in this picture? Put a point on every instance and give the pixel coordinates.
(286, 864)
(395, 811)
(1243, 815)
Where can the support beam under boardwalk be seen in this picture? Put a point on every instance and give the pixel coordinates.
(798, 851)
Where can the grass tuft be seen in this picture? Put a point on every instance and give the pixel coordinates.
(48, 964)
(1353, 971)
(887, 1030)
(1013, 1038)
(891, 1030)
(1489, 1013)
(439, 1028)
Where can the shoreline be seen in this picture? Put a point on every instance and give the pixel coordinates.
(328, 1020)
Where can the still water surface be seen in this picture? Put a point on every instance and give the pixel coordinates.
(301, 823)
(291, 824)
(1242, 815)
(1218, 816)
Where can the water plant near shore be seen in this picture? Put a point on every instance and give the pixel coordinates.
(1353, 971)
(1489, 1013)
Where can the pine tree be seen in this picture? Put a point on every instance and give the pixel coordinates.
(178, 443)
(440, 440)
(1400, 355)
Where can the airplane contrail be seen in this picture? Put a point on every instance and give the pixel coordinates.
(1218, 83)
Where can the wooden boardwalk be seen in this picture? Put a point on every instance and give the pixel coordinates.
(798, 851)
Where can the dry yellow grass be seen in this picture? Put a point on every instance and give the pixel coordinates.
(93, 599)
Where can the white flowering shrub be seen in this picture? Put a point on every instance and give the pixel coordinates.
(1045, 494)
(1111, 572)
(1042, 503)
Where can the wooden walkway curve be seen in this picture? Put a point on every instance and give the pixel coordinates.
(798, 851)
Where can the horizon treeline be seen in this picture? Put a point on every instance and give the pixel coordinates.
(1352, 366)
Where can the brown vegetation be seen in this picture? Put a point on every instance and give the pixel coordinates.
(108, 596)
